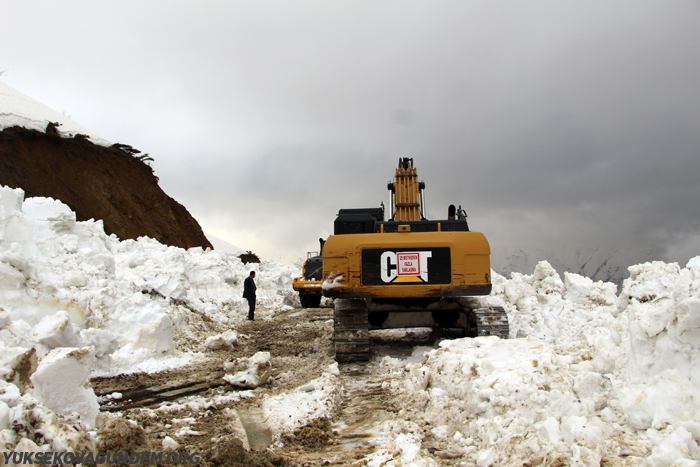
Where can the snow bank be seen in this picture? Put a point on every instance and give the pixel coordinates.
(75, 302)
(139, 303)
(316, 399)
(661, 389)
(588, 376)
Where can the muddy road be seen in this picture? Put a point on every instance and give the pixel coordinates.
(192, 409)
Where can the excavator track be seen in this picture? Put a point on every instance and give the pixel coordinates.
(491, 321)
(350, 330)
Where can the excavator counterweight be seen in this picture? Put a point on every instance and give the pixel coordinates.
(406, 271)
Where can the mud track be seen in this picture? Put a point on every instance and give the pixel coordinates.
(193, 406)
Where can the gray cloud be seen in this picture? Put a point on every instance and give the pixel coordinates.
(551, 123)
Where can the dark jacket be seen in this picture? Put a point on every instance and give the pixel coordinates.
(249, 288)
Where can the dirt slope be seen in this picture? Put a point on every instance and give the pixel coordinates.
(97, 182)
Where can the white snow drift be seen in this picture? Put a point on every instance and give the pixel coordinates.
(589, 375)
(82, 303)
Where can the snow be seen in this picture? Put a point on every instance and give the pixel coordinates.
(61, 383)
(222, 341)
(592, 373)
(84, 303)
(256, 373)
(169, 444)
(587, 375)
(17, 109)
(67, 284)
(319, 398)
(605, 263)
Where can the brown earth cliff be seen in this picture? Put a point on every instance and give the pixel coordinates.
(96, 182)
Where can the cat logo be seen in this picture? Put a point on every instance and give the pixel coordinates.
(406, 266)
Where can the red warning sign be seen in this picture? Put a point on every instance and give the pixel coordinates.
(408, 264)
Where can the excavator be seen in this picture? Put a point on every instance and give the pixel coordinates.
(403, 272)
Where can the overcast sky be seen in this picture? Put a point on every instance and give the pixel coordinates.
(552, 123)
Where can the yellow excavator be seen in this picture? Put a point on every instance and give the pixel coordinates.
(404, 272)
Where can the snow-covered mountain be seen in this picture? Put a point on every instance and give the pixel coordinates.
(18, 109)
(607, 264)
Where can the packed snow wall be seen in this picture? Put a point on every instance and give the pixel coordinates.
(138, 302)
(589, 377)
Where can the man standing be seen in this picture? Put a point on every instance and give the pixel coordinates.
(249, 294)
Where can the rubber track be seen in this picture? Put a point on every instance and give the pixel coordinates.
(350, 330)
(492, 321)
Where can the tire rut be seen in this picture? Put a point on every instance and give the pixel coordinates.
(357, 425)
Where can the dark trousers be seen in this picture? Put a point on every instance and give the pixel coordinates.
(251, 307)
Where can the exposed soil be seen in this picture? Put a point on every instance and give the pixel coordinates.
(313, 436)
(96, 182)
(231, 431)
(288, 337)
(300, 345)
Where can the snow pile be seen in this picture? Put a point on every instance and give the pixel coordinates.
(600, 263)
(399, 445)
(316, 399)
(61, 383)
(663, 372)
(590, 377)
(224, 341)
(137, 302)
(76, 302)
(18, 109)
(256, 373)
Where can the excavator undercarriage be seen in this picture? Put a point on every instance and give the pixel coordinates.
(352, 321)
